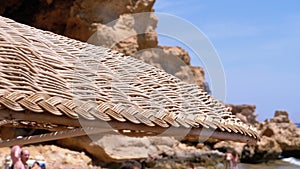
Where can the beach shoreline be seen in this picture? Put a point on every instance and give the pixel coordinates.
(276, 164)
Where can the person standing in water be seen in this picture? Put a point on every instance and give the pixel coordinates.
(228, 160)
(235, 159)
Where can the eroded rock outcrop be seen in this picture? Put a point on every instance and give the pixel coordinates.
(161, 152)
(279, 137)
(245, 112)
(284, 131)
(265, 150)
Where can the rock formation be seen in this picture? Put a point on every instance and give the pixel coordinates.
(245, 112)
(284, 132)
(279, 137)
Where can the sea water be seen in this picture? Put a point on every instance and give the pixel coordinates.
(292, 160)
(277, 164)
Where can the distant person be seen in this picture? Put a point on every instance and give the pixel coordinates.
(21, 164)
(192, 166)
(36, 165)
(131, 164)
(228, 160)
(235, 159)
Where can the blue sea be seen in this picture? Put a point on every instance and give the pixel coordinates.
(298, 124)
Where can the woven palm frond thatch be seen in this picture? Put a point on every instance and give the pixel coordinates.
(47, 80)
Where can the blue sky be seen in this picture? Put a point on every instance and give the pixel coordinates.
(258, 43)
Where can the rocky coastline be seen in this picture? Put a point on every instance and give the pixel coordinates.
(280, 137)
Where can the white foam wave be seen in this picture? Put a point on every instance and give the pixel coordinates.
(292, 160)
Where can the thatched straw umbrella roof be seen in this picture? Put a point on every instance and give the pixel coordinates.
(48, 81)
